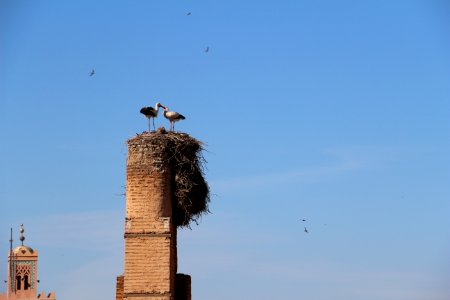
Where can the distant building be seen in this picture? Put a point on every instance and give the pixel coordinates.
(22, 279)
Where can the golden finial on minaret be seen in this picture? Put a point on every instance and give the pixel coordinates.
(22, 237)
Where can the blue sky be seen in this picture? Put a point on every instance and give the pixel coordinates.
(332, 111)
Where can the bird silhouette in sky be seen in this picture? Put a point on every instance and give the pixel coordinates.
(303, 220)
(306, 230)
(92, 73)
(207, 49)
(188, 14)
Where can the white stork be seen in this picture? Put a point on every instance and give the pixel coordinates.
(151, 113)
(173, 117)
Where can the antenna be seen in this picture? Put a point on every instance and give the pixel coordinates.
(11, 265)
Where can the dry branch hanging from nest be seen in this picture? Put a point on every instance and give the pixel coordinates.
(183, 154)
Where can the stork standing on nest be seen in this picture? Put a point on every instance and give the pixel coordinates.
(173, 117)
(151, 113)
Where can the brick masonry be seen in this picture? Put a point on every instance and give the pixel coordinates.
(150, 237)
(119, 288)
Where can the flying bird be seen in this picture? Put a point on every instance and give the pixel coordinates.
(92, 73)
(306, 230)
(303, 220)
(173, 117)
(188, 14)
(207, 49)
(151, 113)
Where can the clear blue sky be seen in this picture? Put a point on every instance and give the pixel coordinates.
(332, 111)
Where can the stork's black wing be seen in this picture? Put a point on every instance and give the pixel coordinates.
(180, 117)
(148, 111)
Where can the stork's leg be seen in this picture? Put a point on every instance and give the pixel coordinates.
(154, 127)
(149, 125)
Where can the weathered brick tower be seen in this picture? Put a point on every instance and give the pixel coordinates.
(150, 233)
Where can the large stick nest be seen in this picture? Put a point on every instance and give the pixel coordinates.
(183, 154)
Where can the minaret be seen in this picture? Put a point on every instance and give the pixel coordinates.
(22, 273)
(23, 278)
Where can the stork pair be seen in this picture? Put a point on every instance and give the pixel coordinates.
(152, 113)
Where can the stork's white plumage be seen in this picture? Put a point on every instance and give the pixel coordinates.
(173, 117)
(151, 113)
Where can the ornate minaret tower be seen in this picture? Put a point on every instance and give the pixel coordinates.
(22, 273)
